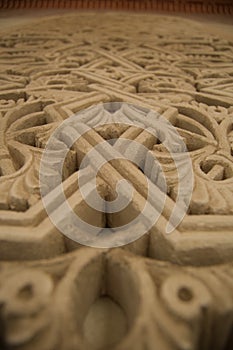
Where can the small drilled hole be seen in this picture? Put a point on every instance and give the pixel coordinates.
(185, 294)
(26, 292)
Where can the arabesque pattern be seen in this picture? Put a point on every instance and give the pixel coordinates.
(163, 291)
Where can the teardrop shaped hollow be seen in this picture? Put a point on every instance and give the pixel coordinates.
(105, 324)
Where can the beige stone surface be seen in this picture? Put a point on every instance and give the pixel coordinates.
(162, 291)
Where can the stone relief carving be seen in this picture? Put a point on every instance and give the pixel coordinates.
(175, 290)
(164, 305)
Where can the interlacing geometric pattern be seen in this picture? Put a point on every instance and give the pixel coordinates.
(162, 291)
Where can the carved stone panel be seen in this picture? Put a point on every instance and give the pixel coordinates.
(161, 291)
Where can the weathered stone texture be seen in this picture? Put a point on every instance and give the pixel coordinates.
(162, 291)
